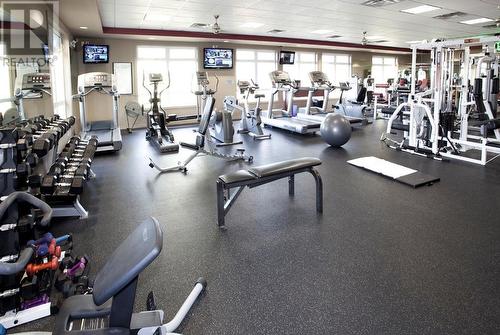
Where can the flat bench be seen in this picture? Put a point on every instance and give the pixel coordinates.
(261, 175)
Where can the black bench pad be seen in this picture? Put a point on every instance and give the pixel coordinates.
(284, 166)
(269, 170)
(237, 176)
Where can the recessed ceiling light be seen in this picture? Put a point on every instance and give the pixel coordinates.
(151, 38)
(84, 28)
(252, 25)
(321, 31)
(420, 9)
(226, 41)
(476, 21)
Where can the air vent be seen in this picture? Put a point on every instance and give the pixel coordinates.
(199, 25)
(452, 15)
(334, 36)
(275, 31)
(380, 3)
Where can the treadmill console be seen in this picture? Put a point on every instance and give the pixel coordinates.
(344, 86)
(280, 77)
(33, 81)
(155, 77)
(318, 77)
(96, 79)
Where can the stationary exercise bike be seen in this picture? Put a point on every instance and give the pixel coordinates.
(351, 108)
(251, 122)
(222, 124)
(157, 131)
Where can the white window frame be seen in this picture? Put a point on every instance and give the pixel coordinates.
(256, 62)
(6, 91)
(333, 78)
(141, 93)
(57, 76)
(386, 66)
(300, 63)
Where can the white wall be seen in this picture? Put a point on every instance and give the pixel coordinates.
(124, 50)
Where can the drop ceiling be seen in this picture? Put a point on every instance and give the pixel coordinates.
(299, 19)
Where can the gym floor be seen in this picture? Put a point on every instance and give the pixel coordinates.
(382, 259)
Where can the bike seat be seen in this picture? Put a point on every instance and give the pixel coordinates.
(259, 96)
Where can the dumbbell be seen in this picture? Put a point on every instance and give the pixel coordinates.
(45, 141)
(50, 183)
(53, 264)
(74, 151)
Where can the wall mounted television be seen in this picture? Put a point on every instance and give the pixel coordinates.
(95, 54)
(216, 58)
(287, 57)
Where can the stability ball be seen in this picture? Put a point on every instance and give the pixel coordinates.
(335, 130)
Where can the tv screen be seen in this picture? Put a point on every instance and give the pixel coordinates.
(215, 58)
(93, 54)
(287, 57)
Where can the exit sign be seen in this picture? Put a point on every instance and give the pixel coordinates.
(497, 47)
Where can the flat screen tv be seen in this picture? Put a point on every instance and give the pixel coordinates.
(94, 54)
(287, 57)
(215, 58)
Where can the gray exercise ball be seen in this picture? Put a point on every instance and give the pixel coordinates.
(335, 130)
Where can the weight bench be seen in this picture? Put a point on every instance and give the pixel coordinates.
(260, 175)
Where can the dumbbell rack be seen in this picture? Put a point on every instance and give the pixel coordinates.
(30, 146)
(38, 143)
(62, 185)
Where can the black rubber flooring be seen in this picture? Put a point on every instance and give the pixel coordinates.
(382, 259)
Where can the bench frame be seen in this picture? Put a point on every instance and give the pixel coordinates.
(225, 200)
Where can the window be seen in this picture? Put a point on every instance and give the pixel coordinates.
(305, 62)
(5, 90)
(255, 65)
(57, 76)
(384, 68)
(337, 67)
(180, 63)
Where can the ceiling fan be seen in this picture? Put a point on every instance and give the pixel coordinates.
(215, 26)
(365, 40)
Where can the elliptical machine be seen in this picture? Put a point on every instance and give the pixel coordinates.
(251, 122)
(157, 131)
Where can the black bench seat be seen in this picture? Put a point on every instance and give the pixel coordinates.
(259, 175)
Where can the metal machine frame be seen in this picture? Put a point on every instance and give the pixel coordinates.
(103, 83)
(204, 145)
(426, 133)
(251, 120)
(157, 131)
(282, 83)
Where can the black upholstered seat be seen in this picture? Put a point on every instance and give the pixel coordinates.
(237, 176)
(114, 286)
(284, 166)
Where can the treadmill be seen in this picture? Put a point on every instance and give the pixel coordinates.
(107, 131)
(281, 118)
(320, 81)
